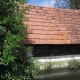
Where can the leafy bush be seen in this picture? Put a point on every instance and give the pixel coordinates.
(73, 64)
(14, 63)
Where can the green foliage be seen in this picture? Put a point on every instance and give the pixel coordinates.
(14, 63)
(73, 64)
(74, 4)
(48, 66)
(36, 68)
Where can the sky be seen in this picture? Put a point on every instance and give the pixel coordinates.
(42, 2)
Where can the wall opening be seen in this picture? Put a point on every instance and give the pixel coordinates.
(55, 50)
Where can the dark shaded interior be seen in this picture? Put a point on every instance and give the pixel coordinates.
(55, 50)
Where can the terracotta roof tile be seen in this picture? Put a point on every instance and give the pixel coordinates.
(53, 26)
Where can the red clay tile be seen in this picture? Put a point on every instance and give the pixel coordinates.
(52, 26)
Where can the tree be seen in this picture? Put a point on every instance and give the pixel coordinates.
(61, 4)
(13, 60)
(74, 4)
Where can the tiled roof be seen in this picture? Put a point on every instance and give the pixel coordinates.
(53, 26)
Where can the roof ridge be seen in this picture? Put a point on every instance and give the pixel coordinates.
(50, 7)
